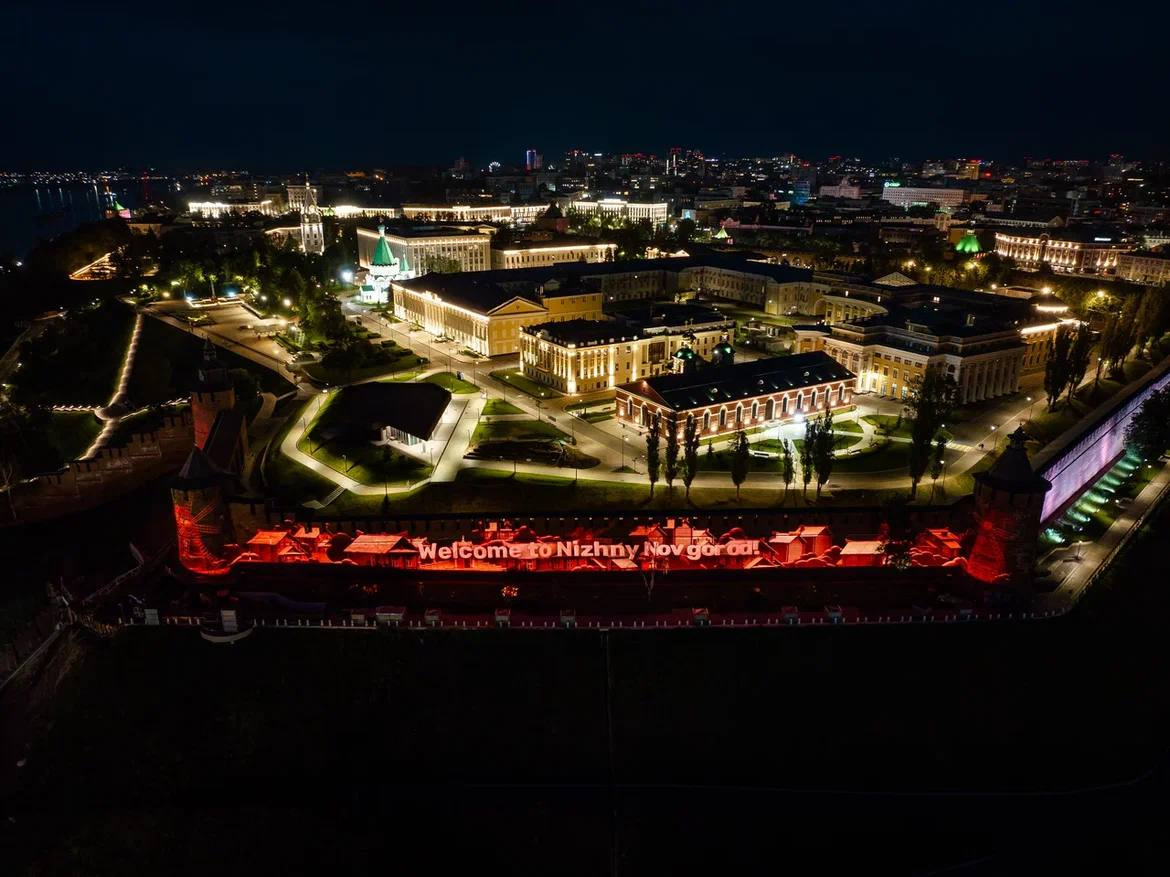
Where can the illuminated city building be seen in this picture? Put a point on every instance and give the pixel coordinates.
(726, 398)
(1152, 269)
(512, 214)
(920, 196)
(1078, 251)
(581, 356)
(986, 355)
(220, 209)
(634, 211)
(302, 196)
(422, 247)
(536, 253)
(486, 312)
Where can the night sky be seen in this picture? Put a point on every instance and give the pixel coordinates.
(292, 85)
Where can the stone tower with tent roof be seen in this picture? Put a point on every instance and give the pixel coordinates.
(1009, 500)
(213, 393)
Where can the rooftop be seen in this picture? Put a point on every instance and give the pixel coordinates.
(414, 408)
(727, 383)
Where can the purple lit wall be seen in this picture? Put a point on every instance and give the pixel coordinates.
(1074, 464)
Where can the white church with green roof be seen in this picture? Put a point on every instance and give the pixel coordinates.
(384, 268)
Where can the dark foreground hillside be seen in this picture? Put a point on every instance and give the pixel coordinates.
(1007, 748)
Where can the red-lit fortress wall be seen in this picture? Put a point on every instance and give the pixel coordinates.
(1075, 459)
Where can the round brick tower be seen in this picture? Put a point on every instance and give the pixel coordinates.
(213, 393)
(201, 521)
(1009, 498)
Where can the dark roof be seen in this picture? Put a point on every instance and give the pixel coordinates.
(586, 332)
(743, 380)
(563, 240)
(483, 291)
(1013, 471)
(199, 471)
(414, 408)
(224, 437)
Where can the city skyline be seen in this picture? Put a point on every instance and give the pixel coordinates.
(237, 86)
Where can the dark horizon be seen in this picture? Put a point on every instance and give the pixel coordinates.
(297, 85)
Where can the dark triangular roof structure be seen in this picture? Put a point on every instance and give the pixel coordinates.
(199, 471)
(1013, 470)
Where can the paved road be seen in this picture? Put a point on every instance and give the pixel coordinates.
(1074, 566)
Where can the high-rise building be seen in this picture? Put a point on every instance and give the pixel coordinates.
(533, 160)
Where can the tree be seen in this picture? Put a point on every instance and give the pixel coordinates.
(652, 451)
(1151, 317)
(936, 465)
(787, 467)
(822, 454)
(932, 398)
(1148, 434)
(1056, 369)
(690, 451)
(1079, 354)
(806, 455)
(1117, 340)
(438, 264)
(670, 468)
(740, 459)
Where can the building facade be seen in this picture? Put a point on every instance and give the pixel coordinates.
(912, 196)
(488, 317)
(1152, 269)
(1077, 253)
(419, 248)
(723, 399)
(537, 253)
(584, 356)
(512, 214)
(635, 211)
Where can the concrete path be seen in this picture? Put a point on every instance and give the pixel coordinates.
(115, 409)
(1075, 566)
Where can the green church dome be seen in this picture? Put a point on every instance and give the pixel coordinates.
(969, 244)
(383, 258)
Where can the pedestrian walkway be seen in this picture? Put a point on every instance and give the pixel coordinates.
(113, 411)
(1077, 566)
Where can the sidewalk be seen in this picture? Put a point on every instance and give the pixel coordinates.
(1075, 566)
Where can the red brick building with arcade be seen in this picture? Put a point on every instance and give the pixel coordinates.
(725, 398)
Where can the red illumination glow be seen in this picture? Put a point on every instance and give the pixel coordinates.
(193, 527)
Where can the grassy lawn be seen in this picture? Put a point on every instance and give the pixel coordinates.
(840, 442)
(168, 360)
(499, 406)
(287, 481)
(451, 383)
(72, 432)
(596, 403)
(402, 377)
(888, 423)
(516, 430)
(360, 460)
(75, 361)
(337, 376)
(1045, 425)
(846, 426)
(513, 378)
(892, 455)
